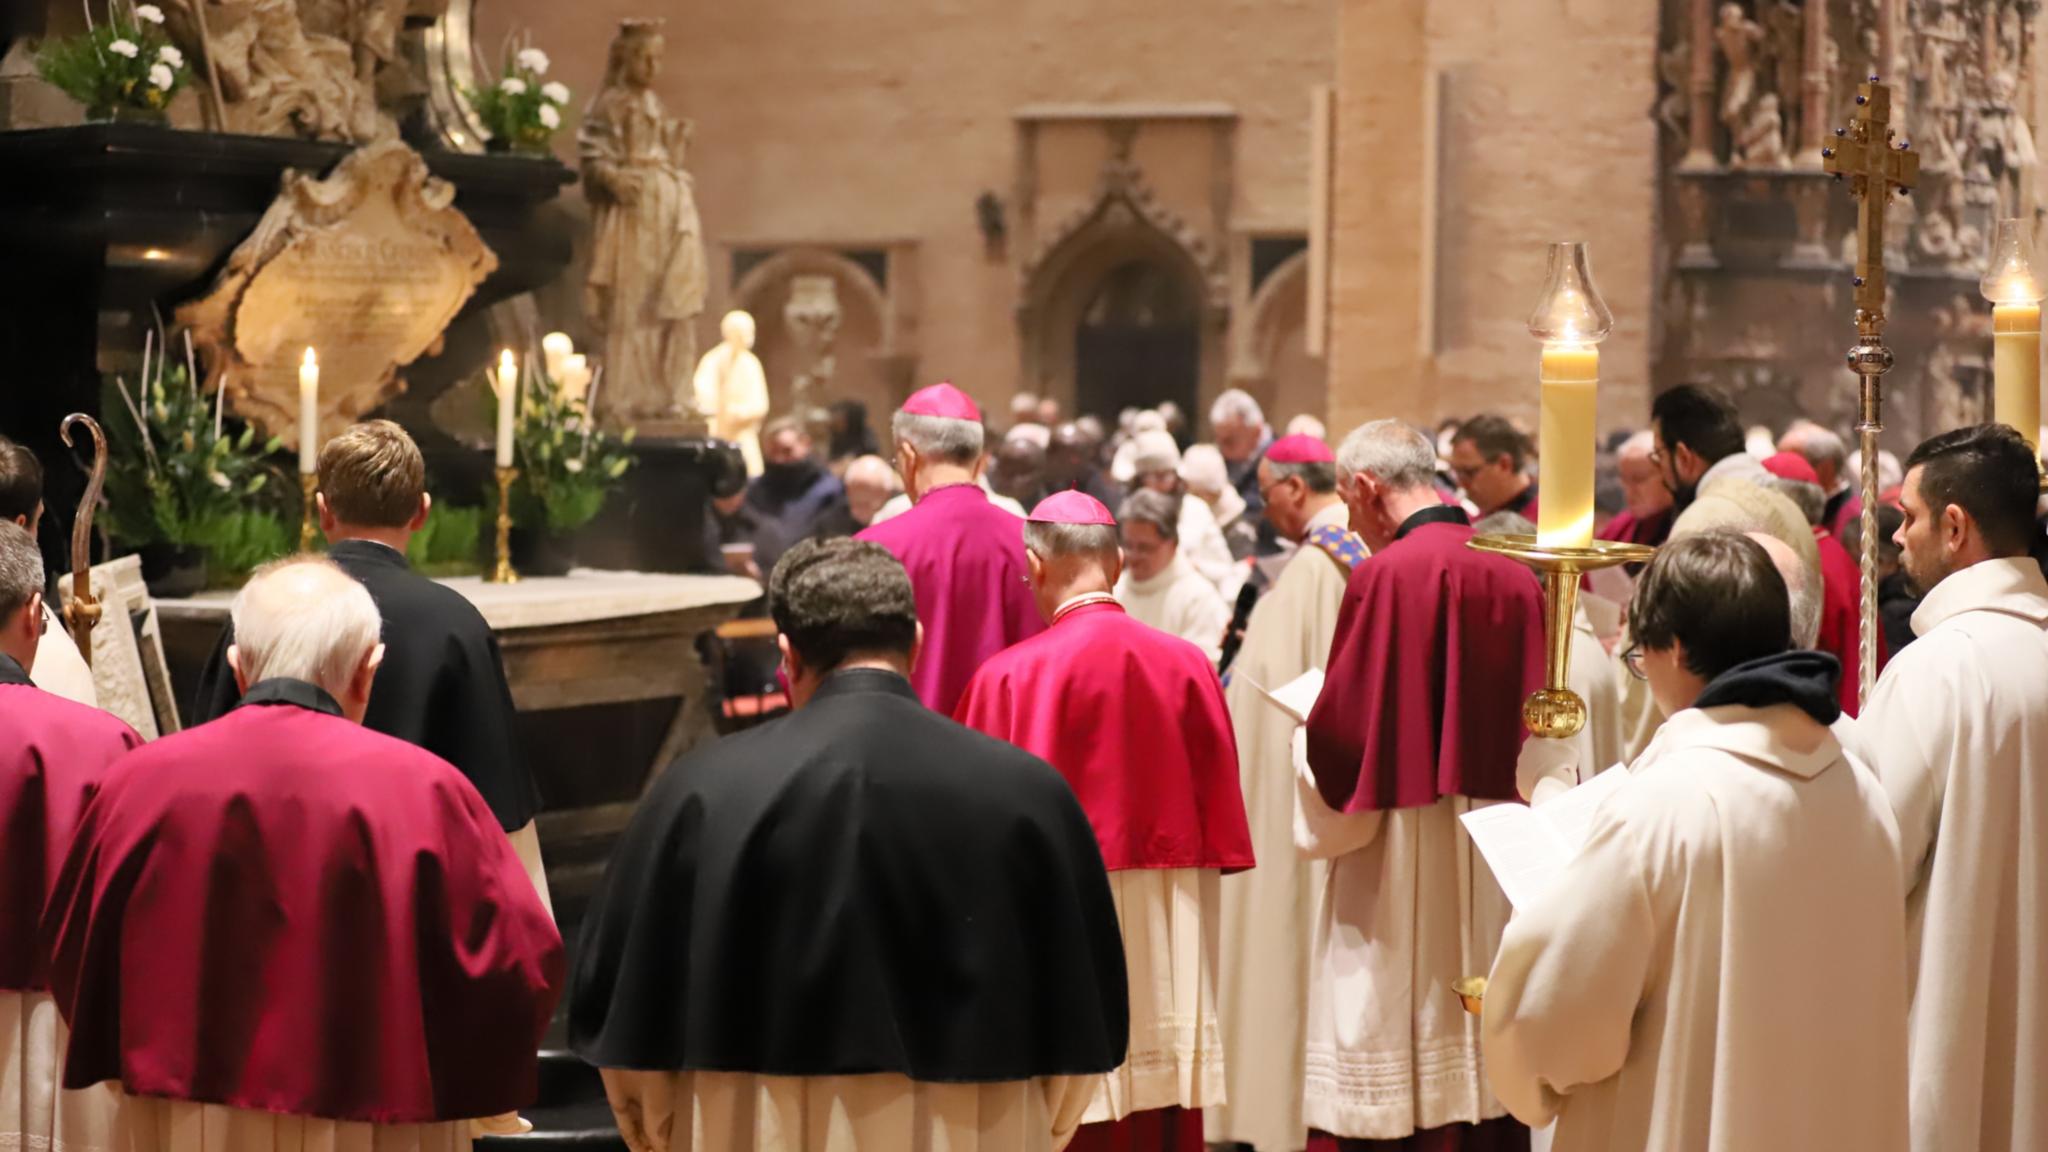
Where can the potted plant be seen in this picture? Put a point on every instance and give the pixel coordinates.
(522, 110)
(567, 469)
(125, 68)
(183, 483)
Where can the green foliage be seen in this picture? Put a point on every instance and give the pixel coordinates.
(124, 62)
(447, 545)
(522, 109)
(240, 542)
(170, 478)
(566, 467)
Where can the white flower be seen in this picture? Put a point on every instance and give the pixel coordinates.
(550, 118)
(512, 86)
(124, 48)
(533, 60)
(162, 76)
(170, 55)
(573, 464)
(556, 91)
(149, 13)
(220, 480)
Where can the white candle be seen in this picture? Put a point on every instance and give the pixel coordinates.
(309, 414)
(508, 404)
(555, 348)
(2016, 366)
(1570, 382)
(575, 378)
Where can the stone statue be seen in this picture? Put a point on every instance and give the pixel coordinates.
(647, 274)
(1738, 37)
(1674, 67)
(1785, 38)
(276, 78)
(732, 390)
(1761, 142)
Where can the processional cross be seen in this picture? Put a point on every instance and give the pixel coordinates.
(1865, 156)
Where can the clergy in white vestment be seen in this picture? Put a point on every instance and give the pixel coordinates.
(53, 755)
(1269, 912)
(1957, 731)
(1418, 722)
(59, 669)
(861, 928)
(280, 930)
(1155, 458)
(1722, 967)
(1158, 586)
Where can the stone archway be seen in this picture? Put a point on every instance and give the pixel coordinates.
(1126, 299)
(862, 340)
(1273, 362)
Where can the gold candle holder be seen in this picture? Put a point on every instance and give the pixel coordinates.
(1555, 712)
(1471, 992)
(309, 483)
(501, 572)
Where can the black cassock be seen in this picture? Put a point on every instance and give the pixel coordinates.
(441, 686)
(862, 886)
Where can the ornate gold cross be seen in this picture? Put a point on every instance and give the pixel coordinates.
(1865, 156)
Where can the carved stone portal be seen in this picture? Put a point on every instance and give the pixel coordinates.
(368, 266)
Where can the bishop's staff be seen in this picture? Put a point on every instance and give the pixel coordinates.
(1865, 156)
(83, 611)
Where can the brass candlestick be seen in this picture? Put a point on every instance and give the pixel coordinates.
(309, 483)
(501, 572)
(1555, 712)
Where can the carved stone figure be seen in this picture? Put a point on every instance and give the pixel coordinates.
(732, 390)
(1761, 142)
(813, 316)
(1785, 40)
(647, 274)
(1738, 37)
(1674, 66)
(276, 78)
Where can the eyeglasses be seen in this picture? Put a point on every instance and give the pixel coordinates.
(1265, 494)
(1632, 659)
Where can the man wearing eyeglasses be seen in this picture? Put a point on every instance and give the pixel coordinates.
(1490, 456)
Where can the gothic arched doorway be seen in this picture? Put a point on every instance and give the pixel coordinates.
(1138, 342)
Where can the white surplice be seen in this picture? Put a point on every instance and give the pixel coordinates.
(1408, 908)
(1722, 968)
(740, 1112)
(1269, 912)
(1179, 602)
(1957, 731)
(36, 1115)
(1596, 677)
(1202, 544)
(1169, 919)
(149, 1124)
(59, 669)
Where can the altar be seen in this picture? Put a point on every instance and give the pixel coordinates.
(597, 661)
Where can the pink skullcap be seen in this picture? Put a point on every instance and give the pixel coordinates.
(1300, 450)
(944, 401)
(1071, 508)
(1791, 466)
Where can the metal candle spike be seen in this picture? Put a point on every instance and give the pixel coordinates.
(1866, 157)
(83, 612)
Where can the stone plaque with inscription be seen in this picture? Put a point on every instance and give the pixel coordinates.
(367, 266)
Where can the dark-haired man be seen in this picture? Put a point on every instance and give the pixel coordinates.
(1651, 997)
(861, 928)
(1489, 456)
(1716, 485)
(1957, 730)
(59, 669)
(442, 685)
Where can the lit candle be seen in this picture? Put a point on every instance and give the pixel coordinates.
(575, 377)
(2015, 295)
(555, 349)
(1570, 383)
(309, 414)
(508, 404)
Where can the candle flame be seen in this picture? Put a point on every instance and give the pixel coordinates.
(309, 360)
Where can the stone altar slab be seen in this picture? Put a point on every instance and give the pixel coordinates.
(368, 265)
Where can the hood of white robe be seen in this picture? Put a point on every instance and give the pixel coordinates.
(2013, 586)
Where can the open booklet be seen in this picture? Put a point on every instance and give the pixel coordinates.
(1528, 848)
(1297, 697)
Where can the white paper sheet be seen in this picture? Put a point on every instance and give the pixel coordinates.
(1528, 847)
(1297, 697)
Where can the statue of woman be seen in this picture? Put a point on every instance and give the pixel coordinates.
(647, 275)
(732, 391)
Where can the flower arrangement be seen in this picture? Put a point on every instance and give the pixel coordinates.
(124, 65)
(567, 468)
(522, 110)
(178, 474)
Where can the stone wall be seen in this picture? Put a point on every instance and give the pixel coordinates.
(1470, 135)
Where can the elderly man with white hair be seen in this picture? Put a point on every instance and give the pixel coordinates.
(1647, 517)
(284, 930)
(964, 553)
(1238, 425)
(1824, 450)
(54, 754)
(1158, 586)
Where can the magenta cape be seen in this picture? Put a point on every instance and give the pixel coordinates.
(53, 754)
(286, 912)
(1135, 720)
(1841, 613)
(1436, 647)
(965, 557)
